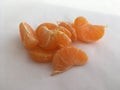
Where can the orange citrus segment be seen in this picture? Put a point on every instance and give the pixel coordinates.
(46, 38)
(79, 21)
(96, 33)
(63, 29)
(67, 57)
(62, 39)
(41, 55)
(87, 32)
(51, 39)
(70, 27)
(28, 36)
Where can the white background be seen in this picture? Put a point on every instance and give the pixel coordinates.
(104, 6)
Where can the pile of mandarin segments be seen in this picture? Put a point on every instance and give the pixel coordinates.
(53, 42)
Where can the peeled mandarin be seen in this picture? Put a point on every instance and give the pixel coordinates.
(63, 29)
(67, 57)
(46, 38)
(80, 21)
(87, 32)
(28, 36)
(62, 39)
(40, 55)
(70, 27)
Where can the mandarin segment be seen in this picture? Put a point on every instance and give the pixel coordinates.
(79, 21)
(41, 55)
(70, 27)
(62, 39)
(87, 32)
(52, 39)
(46, 38)
(28, 36)
(96, 33)
(65, 30)
(67, 57)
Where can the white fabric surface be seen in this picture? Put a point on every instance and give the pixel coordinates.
(19, 72)
(103, 6)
